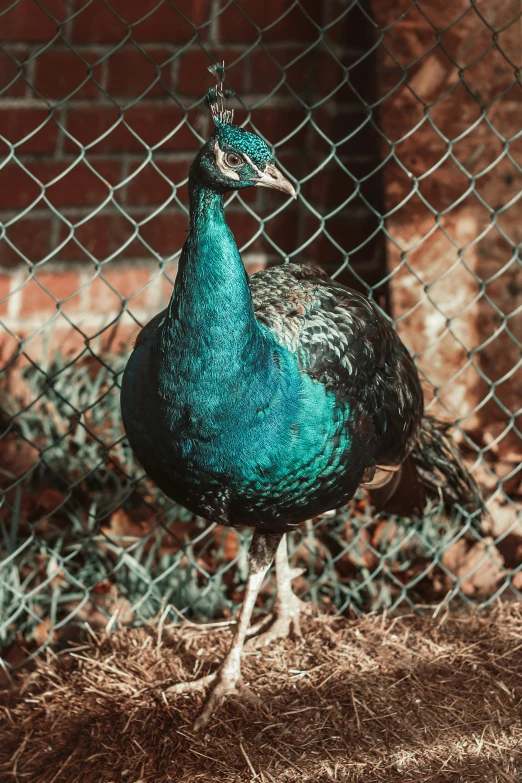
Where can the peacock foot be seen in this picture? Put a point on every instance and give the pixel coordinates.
(286, 622)
(194, 685)
(228, 682)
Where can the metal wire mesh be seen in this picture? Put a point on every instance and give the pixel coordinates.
(373, 131)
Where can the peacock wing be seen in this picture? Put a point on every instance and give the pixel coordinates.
(341, 339)
(336, 333)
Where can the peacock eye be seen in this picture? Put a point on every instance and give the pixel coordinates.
(232, 160)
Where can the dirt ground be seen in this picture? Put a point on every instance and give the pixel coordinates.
(408, 699)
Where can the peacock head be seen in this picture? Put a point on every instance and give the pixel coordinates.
(234, 158)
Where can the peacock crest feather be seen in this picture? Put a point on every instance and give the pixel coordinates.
(216, 97)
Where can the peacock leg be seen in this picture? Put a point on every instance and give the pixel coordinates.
(288, 606)
(228, 676)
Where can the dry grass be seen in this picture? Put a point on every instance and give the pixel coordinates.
(404, 699)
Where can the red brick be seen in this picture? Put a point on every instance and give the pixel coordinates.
(357, 83)
(166, 283)
(9, 348)
(88, 124)
(5, 289)
(165, 23)
(319, 13)
(282, 230)
(65, 339)
(11, 83)
(27, 21)
(128, 283)
(330, 187)
(234, 27)
(300, 75)
(330, 72)
(102, 299)
(315, 190)
(152, 122)
(96, 23)
(357, 32)
(337, 32)
(118, 338)
(267, 71)
(244, 227)
(17, 189)
(193, 76)
(60, 73)
(133, 72)
(499, 77)
(278, 123)
(360, 136)
(30, 236)
(347, 230)
(165, 233)
(251, 195)
(80, 186)
(149, 187)
(182, 194)
(59, 285)
(17, 125)
(101, 236)
(60, 337)
(272, 68)
(155, 123)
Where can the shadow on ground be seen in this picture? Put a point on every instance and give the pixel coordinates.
(406, 699)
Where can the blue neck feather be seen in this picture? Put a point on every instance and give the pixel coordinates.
(211, 339)
(211, 300)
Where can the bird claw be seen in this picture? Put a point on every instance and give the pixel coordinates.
(256, 629)
(286, 623)
(282, 628)
(228, 682)
(193, 685)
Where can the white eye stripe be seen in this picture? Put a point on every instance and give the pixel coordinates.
(251, 163)
(222, 166)
(226, 170)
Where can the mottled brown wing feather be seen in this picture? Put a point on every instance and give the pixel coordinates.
(340, 338)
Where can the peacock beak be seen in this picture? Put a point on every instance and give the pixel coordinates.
(271, 177)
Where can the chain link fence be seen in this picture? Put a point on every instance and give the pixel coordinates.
(401, 124)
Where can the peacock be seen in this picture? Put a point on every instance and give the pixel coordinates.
(266, 401)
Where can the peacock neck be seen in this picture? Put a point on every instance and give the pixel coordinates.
(211, 320)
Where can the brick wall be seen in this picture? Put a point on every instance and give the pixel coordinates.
(452, 188)
(101, 112)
